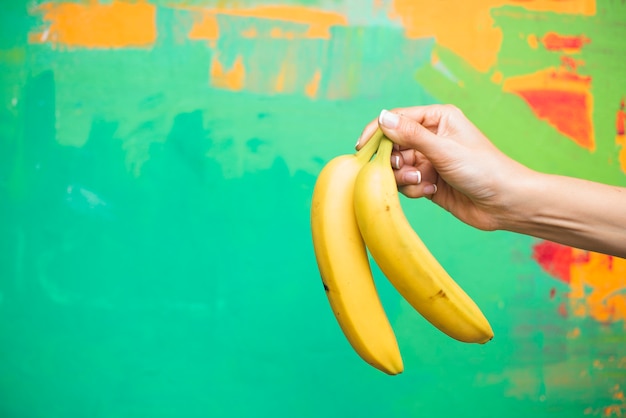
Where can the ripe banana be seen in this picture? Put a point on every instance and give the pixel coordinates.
(344, 265)
(405, 260)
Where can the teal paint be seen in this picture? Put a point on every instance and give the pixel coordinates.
(156, 248)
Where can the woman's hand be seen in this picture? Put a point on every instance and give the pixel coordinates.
(440, 154)
(443, 156)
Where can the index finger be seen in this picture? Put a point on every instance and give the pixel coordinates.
(428, 116)
(367, 133)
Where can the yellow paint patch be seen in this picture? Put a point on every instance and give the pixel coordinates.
(598, 287)
(232, 79)
(93, 25)
(206, 28)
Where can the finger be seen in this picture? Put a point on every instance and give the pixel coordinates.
(367, 133)
(408, 132)
(412, 157)
(427, 190)
(429, 174)
(397, 160)
(429, 116)
(412, 175)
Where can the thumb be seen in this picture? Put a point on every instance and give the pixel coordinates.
(409, 133)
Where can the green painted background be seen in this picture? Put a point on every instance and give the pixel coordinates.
(155, 253)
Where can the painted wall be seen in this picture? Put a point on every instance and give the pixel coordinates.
(157, 160)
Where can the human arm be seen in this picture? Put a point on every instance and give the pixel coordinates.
(440, 154)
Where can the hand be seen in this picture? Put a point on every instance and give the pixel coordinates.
(440, 154)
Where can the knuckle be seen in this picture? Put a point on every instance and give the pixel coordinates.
(453, 110)
(412, 129)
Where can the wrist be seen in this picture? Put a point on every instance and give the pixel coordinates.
(520, 204)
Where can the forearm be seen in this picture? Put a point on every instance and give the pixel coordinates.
(574, 212)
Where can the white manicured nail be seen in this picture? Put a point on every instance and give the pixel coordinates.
(396, 161)
(388, 120)
(413, 177)
(430, 189)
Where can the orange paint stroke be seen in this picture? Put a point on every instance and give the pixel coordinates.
(597, 281)
(466, 27)
(313, 86)
(552, 41)
(497, 77)
(250, 33)
(206, 27)
(318, 21)
(561, 97)
(532, 40)
(302, 22)
(574, 333)
(280, 80)
(232, 79)
(93, 25)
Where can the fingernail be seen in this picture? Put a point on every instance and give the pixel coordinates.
(396, 162)
(413, 177)
(357, 143)
(430, 189)
(388, 120)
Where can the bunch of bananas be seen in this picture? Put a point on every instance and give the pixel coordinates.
(356, 207)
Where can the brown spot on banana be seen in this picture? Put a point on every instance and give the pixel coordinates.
(439, 295)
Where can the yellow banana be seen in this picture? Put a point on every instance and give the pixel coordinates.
(344, 265)
(405, 260)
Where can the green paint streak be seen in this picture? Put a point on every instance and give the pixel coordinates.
(506, 118)
(14, 24)
(508, 121)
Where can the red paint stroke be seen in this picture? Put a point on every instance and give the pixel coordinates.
(596, 281)
(570, 63)
(567, 75)
(555, 259)
(620, 120)
(552, 41)
(567, 111)
(561, 97)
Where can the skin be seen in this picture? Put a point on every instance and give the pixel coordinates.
(456, 165)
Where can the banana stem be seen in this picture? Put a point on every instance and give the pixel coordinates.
(370, 147)
(384, 150)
